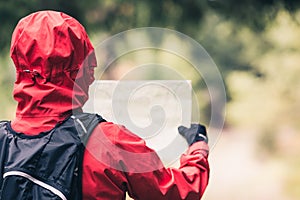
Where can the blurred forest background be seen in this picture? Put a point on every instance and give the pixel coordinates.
(256, 46)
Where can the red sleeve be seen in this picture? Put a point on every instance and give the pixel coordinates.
(117, 161)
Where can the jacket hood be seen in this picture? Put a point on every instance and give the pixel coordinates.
(54, 62)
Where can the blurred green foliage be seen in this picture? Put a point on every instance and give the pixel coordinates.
(119, 15)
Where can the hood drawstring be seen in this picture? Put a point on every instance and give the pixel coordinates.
(34, 74)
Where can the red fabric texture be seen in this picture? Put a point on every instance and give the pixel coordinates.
(116, 161)
(54, 62)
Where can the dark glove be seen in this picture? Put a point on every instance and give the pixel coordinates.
(195, 133)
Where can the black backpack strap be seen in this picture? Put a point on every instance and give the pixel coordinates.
(85, 124)
(3, 146)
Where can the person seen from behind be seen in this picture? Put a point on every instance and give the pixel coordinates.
(54, 61)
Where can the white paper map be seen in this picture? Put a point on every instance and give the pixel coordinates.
(151, 109)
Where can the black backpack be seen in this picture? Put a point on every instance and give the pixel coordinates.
(46, 166)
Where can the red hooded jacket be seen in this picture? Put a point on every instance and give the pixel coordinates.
(55, 62)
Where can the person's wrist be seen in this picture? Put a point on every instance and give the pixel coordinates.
(200, 137)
